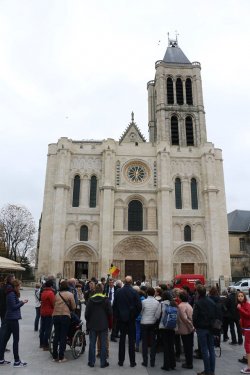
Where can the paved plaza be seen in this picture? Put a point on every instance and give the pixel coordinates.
(40, 362)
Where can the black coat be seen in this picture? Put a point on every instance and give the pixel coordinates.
(127, 303)
(98, 312)
(204, 313)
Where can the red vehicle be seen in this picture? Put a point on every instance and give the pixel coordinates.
(189, 280)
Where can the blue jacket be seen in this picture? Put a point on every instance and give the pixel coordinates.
(13, 306)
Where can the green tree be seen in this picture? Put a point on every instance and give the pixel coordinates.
(17, 231)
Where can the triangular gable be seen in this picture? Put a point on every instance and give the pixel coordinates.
(132, 133)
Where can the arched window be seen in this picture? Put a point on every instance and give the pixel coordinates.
(174, 131)
(189, 95)
(178, 200)
(135, 216)
(189, 131)
(84, 233)
(194, 194)
(179, 91)
(170, 91)
(76, 191)
(187, 233)
(92, 195)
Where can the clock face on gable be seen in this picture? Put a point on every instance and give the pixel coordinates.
(136, 172)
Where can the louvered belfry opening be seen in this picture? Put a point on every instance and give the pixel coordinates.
(170, 91)
(189, 131)
(174, 131)
(179, 91)
(189, 95)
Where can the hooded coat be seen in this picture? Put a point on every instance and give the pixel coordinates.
(98, 312)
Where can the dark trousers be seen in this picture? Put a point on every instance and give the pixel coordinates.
(168, 338)
(114, 324)
(127, 328)
(148, 337)
(188, 343)
(232, 331)
(225, 324)
(37, 318)
(45, 330)
(61, 326)
(177, 344)
(9, 327)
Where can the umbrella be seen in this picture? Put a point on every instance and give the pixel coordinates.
(8, 264)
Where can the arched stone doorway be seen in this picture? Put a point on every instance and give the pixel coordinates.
(80, 262)
(137, 256)
(189, 258)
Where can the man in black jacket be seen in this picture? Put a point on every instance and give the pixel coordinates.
(97, 314)
(127, 306)
(204, 313)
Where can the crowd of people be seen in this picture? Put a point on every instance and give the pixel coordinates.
(157, 319)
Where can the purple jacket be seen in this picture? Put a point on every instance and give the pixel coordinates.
(13, 306)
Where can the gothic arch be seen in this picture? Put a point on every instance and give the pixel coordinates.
(81, 252)
(135, 247)
(189, 254)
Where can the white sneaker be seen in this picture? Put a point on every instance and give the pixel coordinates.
(20, 364)
(245, 370)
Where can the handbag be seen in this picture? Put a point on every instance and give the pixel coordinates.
(72, 313)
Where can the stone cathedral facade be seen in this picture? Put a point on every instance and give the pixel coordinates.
(152, 208)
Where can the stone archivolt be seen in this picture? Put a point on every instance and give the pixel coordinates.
(135, 248)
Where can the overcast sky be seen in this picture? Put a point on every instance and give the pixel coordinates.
(78, 68)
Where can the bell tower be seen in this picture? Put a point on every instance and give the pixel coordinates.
(175, 101)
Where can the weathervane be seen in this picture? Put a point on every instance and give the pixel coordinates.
(173, 42)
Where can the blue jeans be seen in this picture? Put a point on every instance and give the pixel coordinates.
(45, 330)
(206, 340)
(9, 327)
(61, 325)
(137, 333)
(92, 345)
(37, 318)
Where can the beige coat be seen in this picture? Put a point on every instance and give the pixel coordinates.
(60, 307)
(184, 318)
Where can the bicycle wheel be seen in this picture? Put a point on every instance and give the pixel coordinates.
(77, 344)
(51, 340)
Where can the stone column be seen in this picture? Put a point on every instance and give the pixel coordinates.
(107, 210)
(85, 185)
(165, 270)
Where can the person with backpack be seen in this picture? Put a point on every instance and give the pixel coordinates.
(204, 314)
(150, 313)
(168, 322)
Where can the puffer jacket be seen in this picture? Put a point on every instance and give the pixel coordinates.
(13, 306)
(150, 311)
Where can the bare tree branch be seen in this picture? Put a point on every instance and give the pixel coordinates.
(17, 231)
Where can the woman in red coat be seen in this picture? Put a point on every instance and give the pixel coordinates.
(244, 309)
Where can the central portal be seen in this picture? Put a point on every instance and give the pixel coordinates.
(135, 268)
